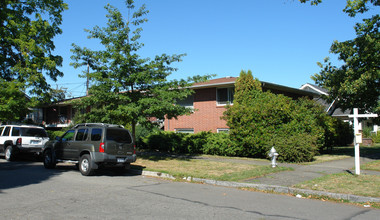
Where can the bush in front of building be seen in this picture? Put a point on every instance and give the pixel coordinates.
(221, 144)
(53, 134)
(164, 141)
(194, 143)
(258, 120)
(199, 143)
(376, 137)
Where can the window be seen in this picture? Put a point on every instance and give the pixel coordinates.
(188, 102)
(1, 130)
(96, 134)
(6, 131)
(225, 96)
(118, 135)
(81, 135)
(16, 131)
(33, 132)
(223, 130)
(185, 130)
(68, 136)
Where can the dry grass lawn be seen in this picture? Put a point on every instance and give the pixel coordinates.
(363, 185)
(199, 168)
(375, 165)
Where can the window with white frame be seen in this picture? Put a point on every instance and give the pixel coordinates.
(188, 102)
(223, 130)
(225, 96)
(185, 130)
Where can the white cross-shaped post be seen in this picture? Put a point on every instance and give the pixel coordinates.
(355, 116)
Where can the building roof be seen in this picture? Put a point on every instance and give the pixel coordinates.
(230, 81)
(314, 88)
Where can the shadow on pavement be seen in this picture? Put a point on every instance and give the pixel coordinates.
(23, 172)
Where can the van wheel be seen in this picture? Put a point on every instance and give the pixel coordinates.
(49, 160)
(9, 153)
(85, 166)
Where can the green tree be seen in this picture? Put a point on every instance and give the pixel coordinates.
(12, 101)
(357, 82)
(259, 120)
(27, 29)
(128, 89)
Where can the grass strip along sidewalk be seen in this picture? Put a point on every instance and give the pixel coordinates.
(224, 171)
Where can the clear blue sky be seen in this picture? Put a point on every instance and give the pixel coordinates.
(279, 40)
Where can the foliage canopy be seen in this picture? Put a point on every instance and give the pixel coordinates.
(357, 82)
(128, 89)
(27, 29)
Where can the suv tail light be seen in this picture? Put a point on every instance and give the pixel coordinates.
(101, 147)
(134, 149)
(19, 141)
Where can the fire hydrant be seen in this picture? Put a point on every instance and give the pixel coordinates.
(273, 154)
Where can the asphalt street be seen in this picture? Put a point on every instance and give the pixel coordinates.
(29, 191)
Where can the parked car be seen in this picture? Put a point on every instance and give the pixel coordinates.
(16, 139)
(92, 146)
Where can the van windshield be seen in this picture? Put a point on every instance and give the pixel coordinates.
(118, 135)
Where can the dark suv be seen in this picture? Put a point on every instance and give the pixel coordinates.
(92, 146)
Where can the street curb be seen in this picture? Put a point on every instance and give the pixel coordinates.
(264, 187)
(289, 190)
(151, 173)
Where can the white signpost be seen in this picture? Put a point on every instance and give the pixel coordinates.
(358, 136)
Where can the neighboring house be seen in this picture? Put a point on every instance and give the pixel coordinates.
(332, 108)
(209, 101)
(59, 114)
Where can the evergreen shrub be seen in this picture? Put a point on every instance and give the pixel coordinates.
(220, 144)
(165, 141)
(53, 134)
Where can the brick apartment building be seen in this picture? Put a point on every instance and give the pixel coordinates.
(209, 101)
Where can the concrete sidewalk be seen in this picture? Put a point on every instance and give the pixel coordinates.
(303, 173)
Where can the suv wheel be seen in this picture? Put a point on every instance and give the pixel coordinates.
(49, 160)
(9, 153)
(85, 166)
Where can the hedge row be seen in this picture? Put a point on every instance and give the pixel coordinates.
(292, 148)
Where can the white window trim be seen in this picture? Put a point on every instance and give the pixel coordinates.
(184, 130)
(220, 130)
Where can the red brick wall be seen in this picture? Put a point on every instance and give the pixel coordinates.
(206, 117)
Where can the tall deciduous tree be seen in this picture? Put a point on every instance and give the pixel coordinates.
(128, 89)
(27, 29)
(357, 82)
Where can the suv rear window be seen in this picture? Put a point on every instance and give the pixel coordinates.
(33, 132)
(118, 135)
(96, 134)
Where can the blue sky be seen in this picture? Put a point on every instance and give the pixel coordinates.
(279, 40)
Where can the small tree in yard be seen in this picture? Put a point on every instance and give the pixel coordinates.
(128, 89)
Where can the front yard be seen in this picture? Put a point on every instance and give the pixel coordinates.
(240, 169)
(203, 168)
